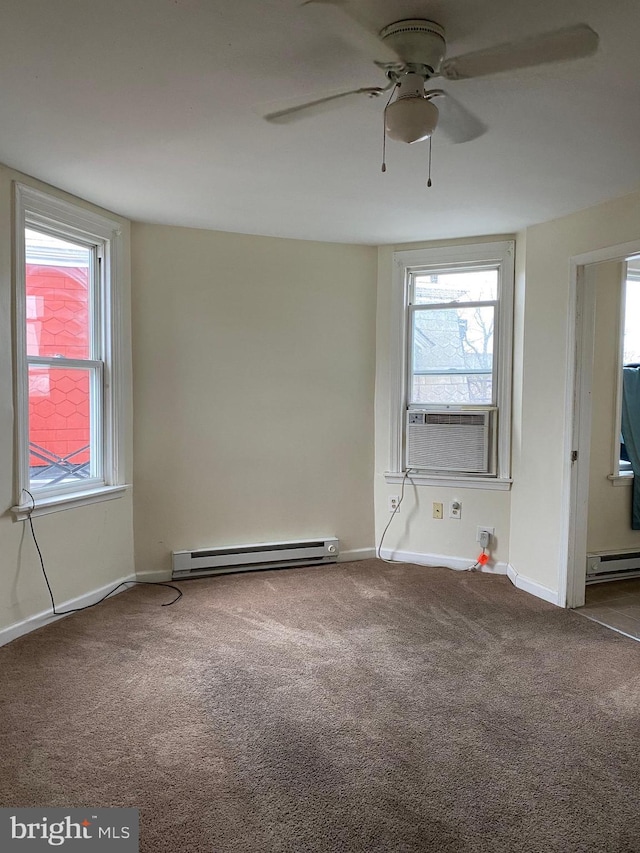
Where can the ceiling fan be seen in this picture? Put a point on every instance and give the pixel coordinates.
(413, 51)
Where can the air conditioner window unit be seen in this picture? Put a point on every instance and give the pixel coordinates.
(450, 441)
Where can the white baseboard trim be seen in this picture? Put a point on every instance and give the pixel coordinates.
(38, 620)
(159, 576)
(533, 587)
(458, 563)
(357, 554)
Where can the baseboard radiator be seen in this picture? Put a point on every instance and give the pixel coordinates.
(245, 558)
(602, 567)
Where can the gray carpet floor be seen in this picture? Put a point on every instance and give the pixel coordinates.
(360, 707)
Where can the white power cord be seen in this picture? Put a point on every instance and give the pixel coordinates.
(397, 509)
(484, 541)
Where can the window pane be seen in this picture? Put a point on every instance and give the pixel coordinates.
(456, 390)
(631, 336)
(631, 345)
(453, 356)
(470, 286)
(57, 281)
(59, 425)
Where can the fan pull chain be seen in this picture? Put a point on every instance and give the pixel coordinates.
(429, 175)
(384, 131)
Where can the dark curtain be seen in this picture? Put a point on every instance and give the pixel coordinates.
(631, 432)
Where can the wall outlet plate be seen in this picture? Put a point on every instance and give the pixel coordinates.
(394, 503)
(455, 509)
(437, 510)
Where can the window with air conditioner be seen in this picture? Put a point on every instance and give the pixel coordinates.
(451, 365)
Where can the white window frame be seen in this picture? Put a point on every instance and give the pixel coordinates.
(62, 219)
(404, 264)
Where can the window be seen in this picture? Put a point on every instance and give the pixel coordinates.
(630, 347)
(631, 308)
(452, 322)
(451, 363)
(66, 337)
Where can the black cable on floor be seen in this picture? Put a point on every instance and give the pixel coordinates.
(87, 606)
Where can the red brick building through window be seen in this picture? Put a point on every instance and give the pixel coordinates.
(58, 324)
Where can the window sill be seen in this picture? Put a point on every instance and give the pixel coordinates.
(57, 503)
(490, 484)
(621, 479)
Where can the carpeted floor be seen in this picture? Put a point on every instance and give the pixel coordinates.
(359, 707)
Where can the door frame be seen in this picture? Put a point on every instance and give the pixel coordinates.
(580, 356)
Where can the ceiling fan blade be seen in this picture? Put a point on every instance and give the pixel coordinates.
(455, 121)
(319, 105)
(568, 43)
(336, 16)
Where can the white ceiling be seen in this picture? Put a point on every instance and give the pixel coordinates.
(152, 108)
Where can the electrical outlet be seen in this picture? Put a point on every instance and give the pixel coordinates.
(437, 510)
(394, 503)
(482, 532)
(455, 509)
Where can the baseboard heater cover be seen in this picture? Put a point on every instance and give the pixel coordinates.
(604, 566)
(244, 558)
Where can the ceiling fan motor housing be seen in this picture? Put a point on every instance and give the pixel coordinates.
(417, 42)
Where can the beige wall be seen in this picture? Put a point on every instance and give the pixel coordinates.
(254, 409)
(413, 529)
(530, 520)
(538, 496)
(86, 548)
(254, 377)
(609, 520)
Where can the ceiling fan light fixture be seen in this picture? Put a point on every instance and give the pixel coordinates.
(410, 119)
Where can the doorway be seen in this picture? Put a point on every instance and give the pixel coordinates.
(587, 272)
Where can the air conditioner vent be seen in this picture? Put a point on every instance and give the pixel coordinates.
(461, 418)
(449, 442)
